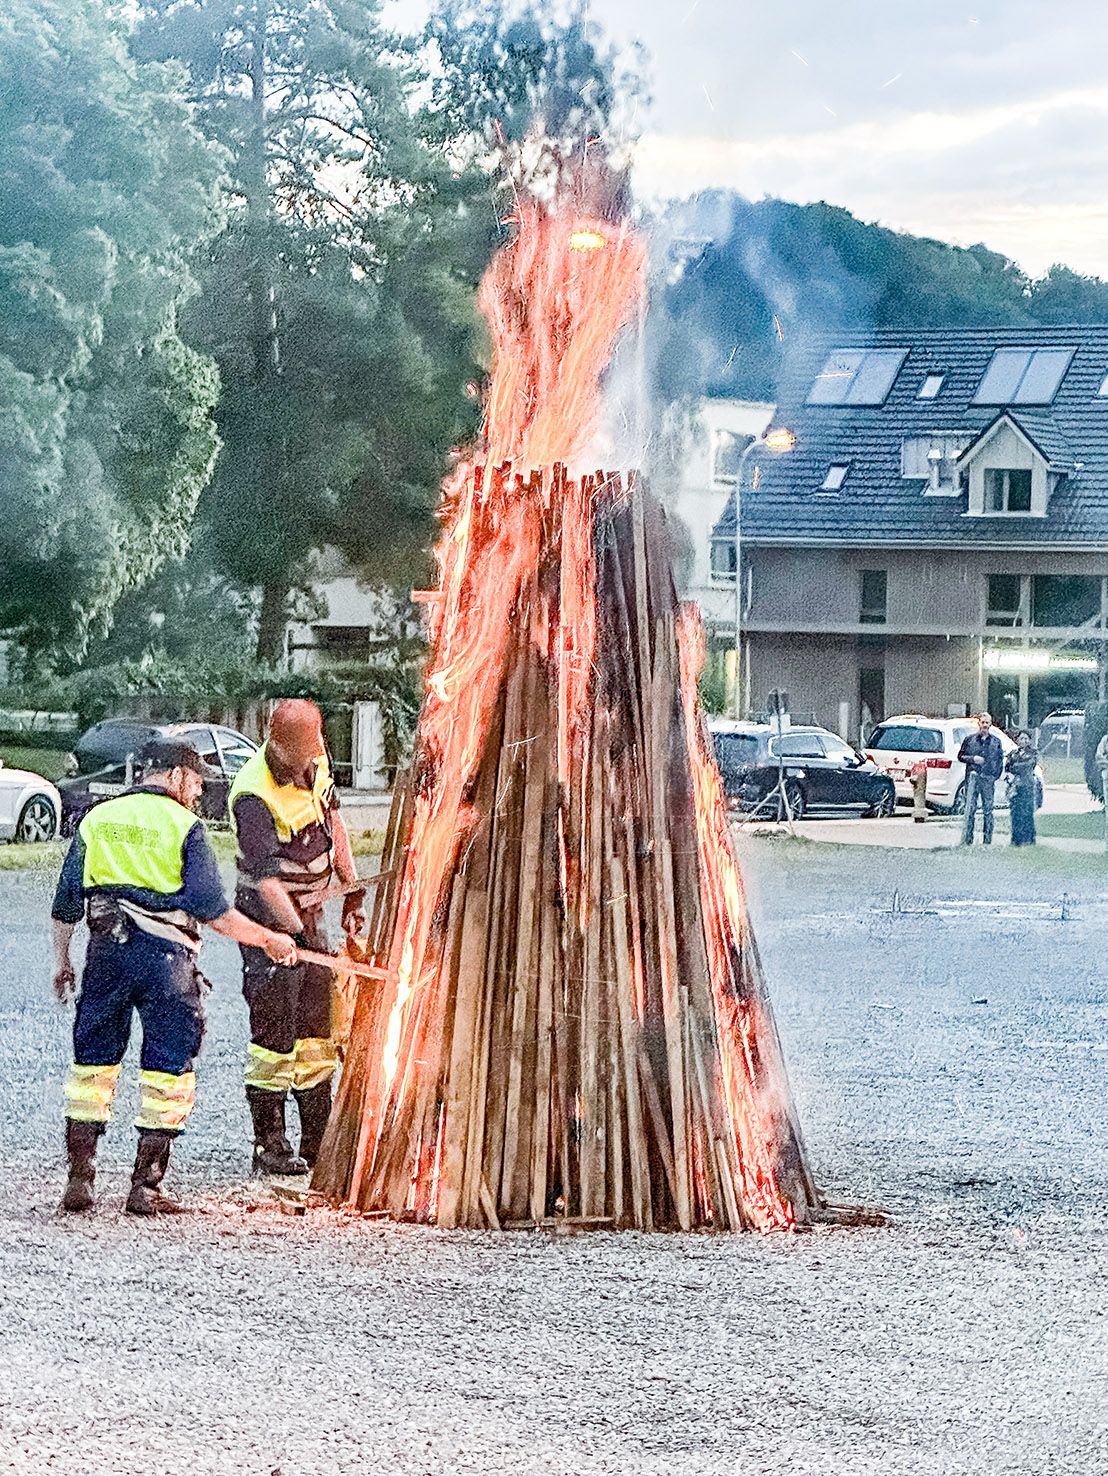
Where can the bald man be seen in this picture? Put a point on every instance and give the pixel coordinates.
(292, 847)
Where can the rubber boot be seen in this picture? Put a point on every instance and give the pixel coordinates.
(151, 1162)
(81, 1139)
(272, 1150)
(315, 1108)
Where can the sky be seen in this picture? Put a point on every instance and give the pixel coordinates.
(978, 121)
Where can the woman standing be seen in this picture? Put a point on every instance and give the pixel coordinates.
(1021, 764)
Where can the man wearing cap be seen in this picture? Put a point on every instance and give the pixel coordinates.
(141, 871)
(292, 848)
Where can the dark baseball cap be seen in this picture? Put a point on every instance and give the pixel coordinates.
(163, 754)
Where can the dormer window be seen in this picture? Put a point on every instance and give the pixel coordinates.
(1007, 491)
(930, 387)
(836, 476)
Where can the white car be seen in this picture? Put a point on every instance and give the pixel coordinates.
(30, 806)
(899, 743)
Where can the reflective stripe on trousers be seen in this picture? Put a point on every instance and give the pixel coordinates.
(272, 1071)
(314, 1062)
(89, 1091)
(166, 1100)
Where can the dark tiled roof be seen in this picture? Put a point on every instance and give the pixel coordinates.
(1047, 435)
(876, 504)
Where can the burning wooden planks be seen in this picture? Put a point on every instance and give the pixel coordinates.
(574, 1026)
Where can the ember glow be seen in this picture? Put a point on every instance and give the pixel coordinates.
(540, 886)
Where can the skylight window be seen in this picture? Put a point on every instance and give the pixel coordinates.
(1103, 390)
(856, 376)
(836, 476)
(1023, 376)
(930, 387)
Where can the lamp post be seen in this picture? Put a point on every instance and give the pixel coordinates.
(776, 440)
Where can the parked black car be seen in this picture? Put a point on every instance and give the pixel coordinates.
(821, 770)
(106, 755)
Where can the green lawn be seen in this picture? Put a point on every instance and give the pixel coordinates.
(1062, 770)
(49, 762)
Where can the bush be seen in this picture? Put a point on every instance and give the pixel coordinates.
(1096, 725)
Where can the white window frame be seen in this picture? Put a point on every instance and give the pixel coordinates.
(836, 476)
(1006, 472)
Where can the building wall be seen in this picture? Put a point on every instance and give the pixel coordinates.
(803, 631)
(930, 591)
(818, 673)
(698, 503)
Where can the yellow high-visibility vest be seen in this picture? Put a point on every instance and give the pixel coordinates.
(136, 840)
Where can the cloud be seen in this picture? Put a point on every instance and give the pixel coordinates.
(1025, 175)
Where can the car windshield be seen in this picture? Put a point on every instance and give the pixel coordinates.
(797, 745)
(235, 748)
(838, 749)
(908, 739)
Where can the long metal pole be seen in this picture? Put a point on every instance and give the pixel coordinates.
(737, 700)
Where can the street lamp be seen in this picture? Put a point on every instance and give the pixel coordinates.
(776, 440)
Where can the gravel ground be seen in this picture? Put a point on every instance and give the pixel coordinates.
(968, 1337)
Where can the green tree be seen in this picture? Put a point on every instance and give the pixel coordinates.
(106, 429)
(340, 321)
(1064, 296)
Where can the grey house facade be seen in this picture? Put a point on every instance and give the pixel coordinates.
(937, 539)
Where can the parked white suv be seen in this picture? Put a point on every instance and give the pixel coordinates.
(899, 743)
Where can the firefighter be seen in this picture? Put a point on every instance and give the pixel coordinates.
(141, 870)
(292, 847)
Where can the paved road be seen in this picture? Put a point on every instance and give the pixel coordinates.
(949, 1061)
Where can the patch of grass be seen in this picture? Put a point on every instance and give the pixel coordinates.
(1089, 826)
(45, 857)
(49, 762)
(1057, 769)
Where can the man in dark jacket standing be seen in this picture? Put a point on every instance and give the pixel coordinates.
(983, 756)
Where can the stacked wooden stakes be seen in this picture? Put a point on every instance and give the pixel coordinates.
(561, 1055)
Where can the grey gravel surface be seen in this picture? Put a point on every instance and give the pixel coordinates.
(968, 1337)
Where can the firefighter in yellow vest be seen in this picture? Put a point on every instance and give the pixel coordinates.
(141, 870)
(292, 847)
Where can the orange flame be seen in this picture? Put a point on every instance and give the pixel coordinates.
(724, 913)
(555, 308)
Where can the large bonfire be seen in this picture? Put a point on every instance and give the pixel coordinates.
(572, 1024)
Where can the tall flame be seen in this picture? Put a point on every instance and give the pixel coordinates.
(554, 307)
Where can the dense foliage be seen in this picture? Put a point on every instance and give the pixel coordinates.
(106, 428)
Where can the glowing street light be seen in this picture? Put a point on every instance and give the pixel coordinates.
(779, 439)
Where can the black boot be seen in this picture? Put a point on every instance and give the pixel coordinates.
(151, 1162)
(272, 1150)
(315, 1109)
(81, 1139)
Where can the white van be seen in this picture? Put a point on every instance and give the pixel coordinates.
(899, 743)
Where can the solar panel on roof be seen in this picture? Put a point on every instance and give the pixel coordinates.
(1023, 376)
(856, 376)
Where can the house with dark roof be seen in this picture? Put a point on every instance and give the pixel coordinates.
(936, 540)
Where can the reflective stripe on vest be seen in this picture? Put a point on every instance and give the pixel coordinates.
(136, 840)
